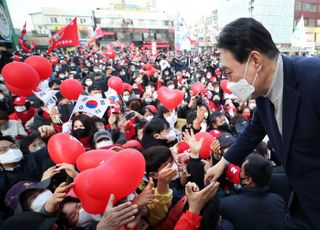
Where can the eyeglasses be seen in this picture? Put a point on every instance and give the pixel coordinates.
(6, 148)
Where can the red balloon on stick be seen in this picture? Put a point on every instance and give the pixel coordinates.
(54, 60)
(64, 148)
(20, 75)
(110, 54)
(205, 151)
(170, 98)
(71, 89)
(41, 65)
(224, 86)
(116, 83)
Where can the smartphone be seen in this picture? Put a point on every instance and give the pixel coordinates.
(130, 115)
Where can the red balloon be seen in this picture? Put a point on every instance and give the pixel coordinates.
(205, 151)
(116, 83)
(224, 86)
(110, 54)
(127, 166)
(170, 98)
(81, 186)
(64, 148)
(19, 92)
(147, 67)
(41, 65)
(127, 87)
(20, 75)
(71, 89)
(16, 58)
(197, 88)
(54, 60)
(93, 158)
(153, 70)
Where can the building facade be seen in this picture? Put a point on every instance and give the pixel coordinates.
(310, 9)
(277, 16)
(49, 20)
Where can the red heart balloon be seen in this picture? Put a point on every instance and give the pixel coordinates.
(197, 88)
(81, 186)
(170, 98)
(127, 166)
(205, 151)
(93, 158)
(110, 54)
(71, 89)
(132, 143)
(224, 86)
(64, 148)
(116, 83)
(20, 75)
(19, 92)
(147, 67)
(127, 87)
(54, 60)
(41, 65)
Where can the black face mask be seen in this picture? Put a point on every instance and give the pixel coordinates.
(79, 133)
(216, 102)
(224, 127)
(236, 104)
(136, 107)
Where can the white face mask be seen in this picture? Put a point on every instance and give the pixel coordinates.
(61, 76)
(149, 118)
(206, 114)
(96, 70)
(242, 89)
(98, 95)
(126, 98)
(148, 100)
(175, 167)
(89, 83)
(252, 106)
(102, 144)
(1, 96)
(85, 218)
(40, 200)
(37, 148)
(11, 156)
(20, 109)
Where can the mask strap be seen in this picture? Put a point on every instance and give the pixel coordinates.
(254, 80)
(246, 69)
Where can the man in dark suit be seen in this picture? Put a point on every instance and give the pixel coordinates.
(5, 56)
(254, 207)
(287, 92)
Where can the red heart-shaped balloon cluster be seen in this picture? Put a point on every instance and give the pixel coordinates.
(118, 173)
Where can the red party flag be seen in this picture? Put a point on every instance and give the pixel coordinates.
(67, 36)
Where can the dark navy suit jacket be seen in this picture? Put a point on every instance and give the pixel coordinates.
(298, 148)
(254, 208)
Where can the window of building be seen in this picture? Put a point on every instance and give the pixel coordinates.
(83, 21)
(53, 20)
(309, 7)
(297, 5)
(312, 22)
(68, 20)
(152, 22)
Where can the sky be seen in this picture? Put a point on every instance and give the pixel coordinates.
(191, 10)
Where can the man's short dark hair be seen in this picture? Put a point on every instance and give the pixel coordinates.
(54, 81)
(93, 87)
(245, 35)
(259, 169)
